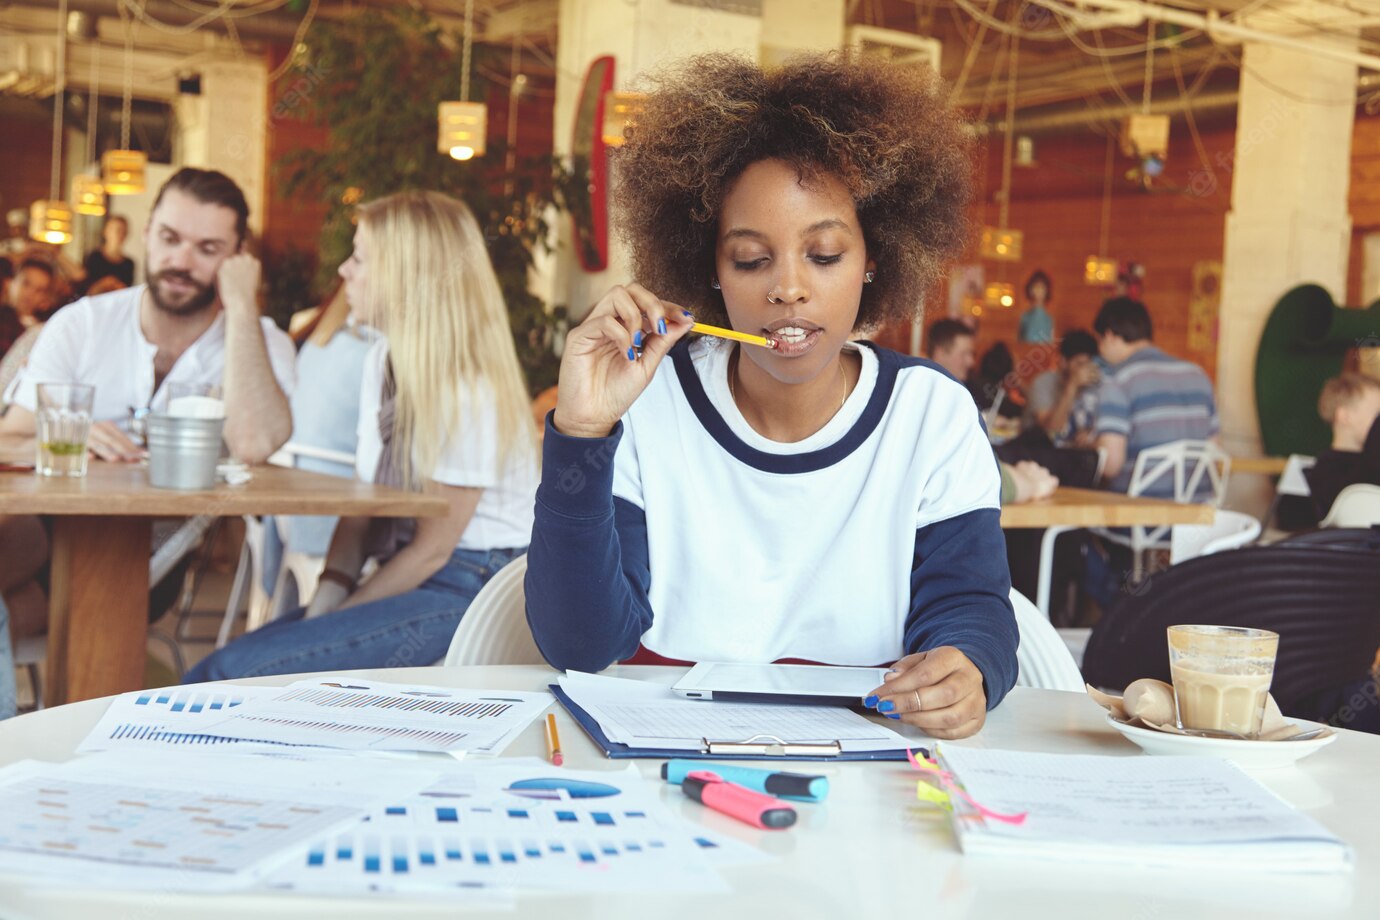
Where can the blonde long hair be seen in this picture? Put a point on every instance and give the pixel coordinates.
(433, 291)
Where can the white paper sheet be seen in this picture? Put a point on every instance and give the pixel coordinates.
(185, 822)
(338, 711)
(649, 715)
(175, 718)
(1157, 809)
(519, 825)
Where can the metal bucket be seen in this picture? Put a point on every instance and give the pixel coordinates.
(183, 451)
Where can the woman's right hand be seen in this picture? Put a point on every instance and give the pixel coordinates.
(602, 373)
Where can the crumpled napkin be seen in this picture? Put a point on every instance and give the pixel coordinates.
(1150, 704)
(233, 472)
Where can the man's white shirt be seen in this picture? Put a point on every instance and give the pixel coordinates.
(99, 341)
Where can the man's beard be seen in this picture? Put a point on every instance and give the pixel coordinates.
(202, 297)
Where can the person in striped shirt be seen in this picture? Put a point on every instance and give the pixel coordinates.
(1147, 398)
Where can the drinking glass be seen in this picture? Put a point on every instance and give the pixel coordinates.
(63, 426)
(1222, 676)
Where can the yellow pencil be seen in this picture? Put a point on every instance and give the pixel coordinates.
(733, 334)
(553, 741)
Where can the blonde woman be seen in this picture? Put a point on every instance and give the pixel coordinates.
(443, 409)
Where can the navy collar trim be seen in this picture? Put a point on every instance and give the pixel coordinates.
(809, 461)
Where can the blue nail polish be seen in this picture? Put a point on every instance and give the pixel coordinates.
(886, 706)
(892, 715)
(871, 701)
(637, 339)
(661, 326)
(632, 355)
(687, 313)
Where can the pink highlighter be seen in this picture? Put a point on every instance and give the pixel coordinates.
(747, 806)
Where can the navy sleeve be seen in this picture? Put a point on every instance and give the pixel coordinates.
(960, 595)
(587, 568)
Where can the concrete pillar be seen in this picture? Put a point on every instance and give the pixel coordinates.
(640, 36)
(1289, 221)
(225, 127)
(792, 26)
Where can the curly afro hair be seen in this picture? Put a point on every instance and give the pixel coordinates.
(886, 132)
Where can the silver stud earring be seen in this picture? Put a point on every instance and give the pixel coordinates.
(867, 278)
(714, 283)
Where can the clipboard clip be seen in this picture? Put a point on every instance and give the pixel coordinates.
(772, 746)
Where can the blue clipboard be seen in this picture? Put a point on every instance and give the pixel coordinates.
(717, 750)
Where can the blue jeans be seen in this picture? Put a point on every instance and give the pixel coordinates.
(406, 630)
(7, 691)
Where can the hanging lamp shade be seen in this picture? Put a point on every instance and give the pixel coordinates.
(88, 195)
(461, 127)
(1002, 244)
(50, 222)
(123, 171)
(620, 114)
(1098, 271)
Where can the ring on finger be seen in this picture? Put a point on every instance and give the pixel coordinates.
(918, 706)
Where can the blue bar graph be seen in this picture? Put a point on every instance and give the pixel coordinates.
(517, 813)
(446, 815)
(317, 856)
(602, 818)
(452, 848)
(372, 863)
(399, 846)
(586, 856)
(395, 810)
(197, 702)
(566, 816)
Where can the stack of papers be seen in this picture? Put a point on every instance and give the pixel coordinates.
(329, 711)
(649, 717)
(515, 826)
(1165, 811)
(194, 822)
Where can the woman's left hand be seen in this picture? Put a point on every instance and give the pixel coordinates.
(939, 692)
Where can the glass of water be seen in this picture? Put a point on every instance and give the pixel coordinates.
(64, 423)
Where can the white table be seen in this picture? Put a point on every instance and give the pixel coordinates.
(870, 851)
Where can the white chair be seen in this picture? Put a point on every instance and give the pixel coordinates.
(1189, 464)
(1357, 505)
(494, 628)
(1043, 658)
(1229, 530)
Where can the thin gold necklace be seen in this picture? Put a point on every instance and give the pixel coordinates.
(733, 373)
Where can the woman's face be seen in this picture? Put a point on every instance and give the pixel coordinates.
(790, 263)
(1038, 292)
(355, 272)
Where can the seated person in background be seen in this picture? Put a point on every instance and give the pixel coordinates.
(1351, 405)
(443, 409)
(951, 345)
(826, 500)
(109, 261)
(1146, 398)
(30, 294)
(325, 414)
(1026, 481)
(1063, 403)
(196, 321)
(7, 691)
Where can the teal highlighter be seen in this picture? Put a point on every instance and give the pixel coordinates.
(798, 786)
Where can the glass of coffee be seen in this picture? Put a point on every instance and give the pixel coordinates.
(1222, 676)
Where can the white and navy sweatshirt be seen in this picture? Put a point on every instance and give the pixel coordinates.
(686, 533)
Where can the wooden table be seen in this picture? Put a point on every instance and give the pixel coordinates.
(102, 534)
(1264, 466)
(1095, 508)
(1070, 509)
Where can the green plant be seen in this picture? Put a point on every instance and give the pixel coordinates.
(374, 80)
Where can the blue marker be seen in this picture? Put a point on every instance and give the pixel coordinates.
(798, 786)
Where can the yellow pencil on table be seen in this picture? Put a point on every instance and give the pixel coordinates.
(553, 741)
(735, 335)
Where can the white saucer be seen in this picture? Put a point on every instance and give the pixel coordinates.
(1259, 755)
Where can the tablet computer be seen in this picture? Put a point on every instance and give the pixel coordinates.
(781, 683)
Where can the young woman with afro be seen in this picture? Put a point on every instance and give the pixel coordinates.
(823, 499)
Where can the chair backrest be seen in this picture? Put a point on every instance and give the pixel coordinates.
(1229, 530)
(1322, 600)
(494, 628)
(1357, 505)
(1192, 465)
(1043, 656)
